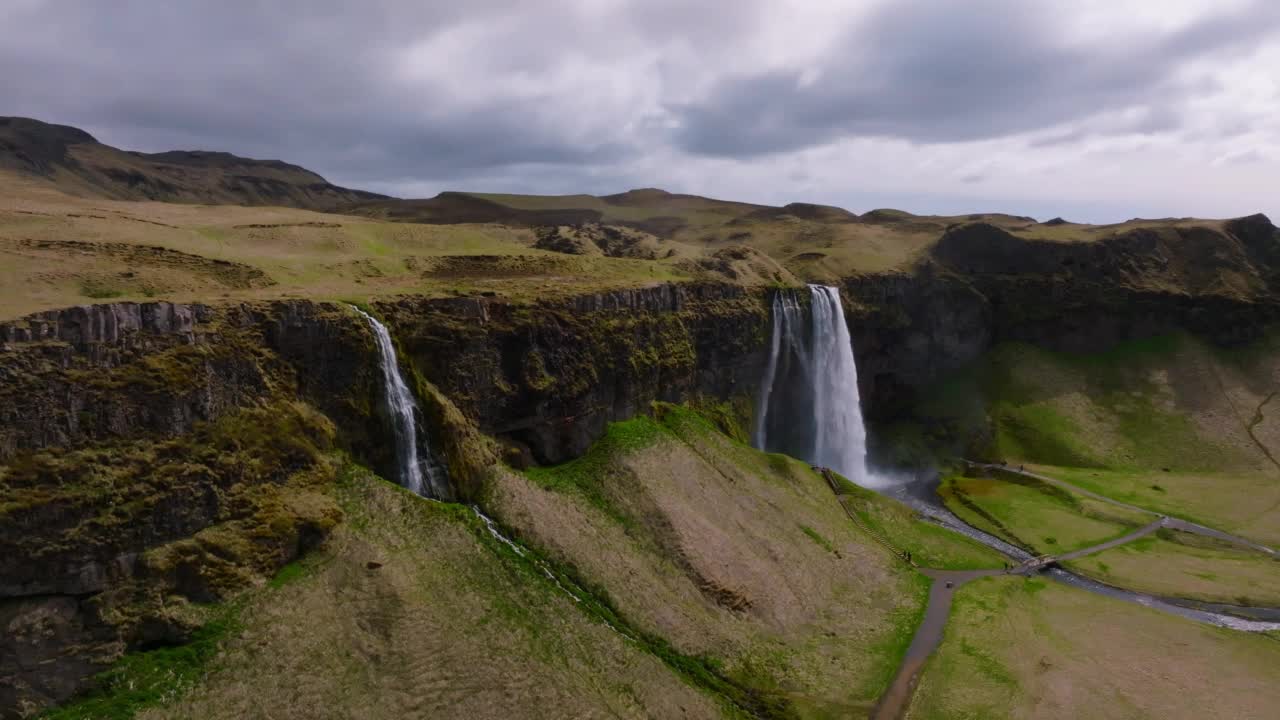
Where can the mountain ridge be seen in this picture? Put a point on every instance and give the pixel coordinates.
(74, 161)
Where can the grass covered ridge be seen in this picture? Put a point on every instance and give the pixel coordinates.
(411, 589)
(803, 608)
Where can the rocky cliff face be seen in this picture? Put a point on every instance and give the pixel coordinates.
(547, 378)
(981, 285)
(158, 454)
(122, 371)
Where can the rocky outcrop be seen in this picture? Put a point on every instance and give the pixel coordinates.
(909, 330)
(110, 372)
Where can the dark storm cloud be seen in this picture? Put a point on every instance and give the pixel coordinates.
(958, 71)
(313, 82)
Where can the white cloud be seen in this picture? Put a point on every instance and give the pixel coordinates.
(1092, 109)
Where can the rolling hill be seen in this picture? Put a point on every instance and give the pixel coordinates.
(74, 161)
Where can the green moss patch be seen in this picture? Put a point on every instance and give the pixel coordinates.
(141, 680)
(1039, 517)
(585, 475)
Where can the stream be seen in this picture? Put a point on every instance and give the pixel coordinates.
(921, 495)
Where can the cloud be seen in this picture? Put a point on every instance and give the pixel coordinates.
(937, 72)
(327, 83)
(941, 104)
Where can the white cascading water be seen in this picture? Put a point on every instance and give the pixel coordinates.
(809, 403)
(418, 473)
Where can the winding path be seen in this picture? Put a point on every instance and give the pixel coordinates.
(943, 588)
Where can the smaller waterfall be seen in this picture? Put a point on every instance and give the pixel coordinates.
(418, 473)
(809, 403)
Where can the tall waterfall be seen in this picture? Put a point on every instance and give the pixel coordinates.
(418, 473)
(809, 404)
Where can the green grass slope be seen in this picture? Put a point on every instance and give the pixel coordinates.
(1036, 516)
(1168, 424)
(1182, 565)
(671, 572)
(411, 610)
(1030, 648)
(734, 555)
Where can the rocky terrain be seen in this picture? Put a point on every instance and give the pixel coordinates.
(193, 432)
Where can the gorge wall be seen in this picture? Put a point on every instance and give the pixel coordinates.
(981, 285)
(547, 378)
(159, 450)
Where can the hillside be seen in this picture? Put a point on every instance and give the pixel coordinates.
(74, 161)
(199, 451)
(817, 242)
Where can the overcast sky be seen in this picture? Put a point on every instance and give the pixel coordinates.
(1097, 110)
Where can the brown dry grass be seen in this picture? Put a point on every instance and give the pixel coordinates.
(1030, 648)
(58, 250)
(314, 254)
(708, 548)
(446, 627)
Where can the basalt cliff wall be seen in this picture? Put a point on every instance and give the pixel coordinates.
(157, 454)
(547, 378)
(981, 285)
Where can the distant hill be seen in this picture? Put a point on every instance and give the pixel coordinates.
(648, 209)
(685, 233)
(75, 162)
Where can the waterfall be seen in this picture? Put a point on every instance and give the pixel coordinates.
(418, 473)
(809, 404)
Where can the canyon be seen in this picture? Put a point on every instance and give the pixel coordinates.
(176, 439)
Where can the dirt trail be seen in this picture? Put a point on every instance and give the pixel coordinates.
(1256, 420)
(927, 638)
